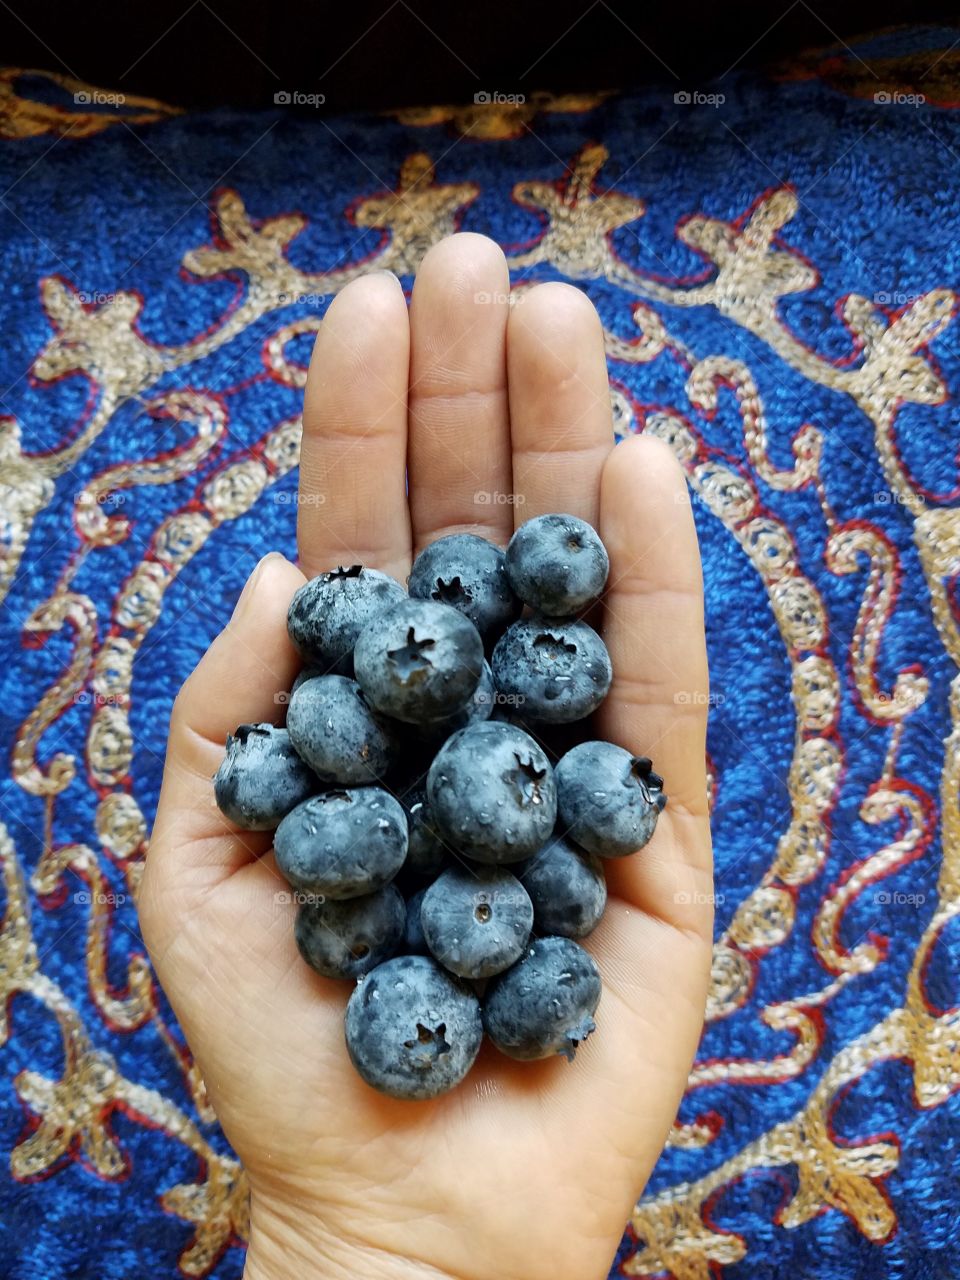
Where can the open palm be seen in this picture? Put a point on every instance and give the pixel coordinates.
(496, 413)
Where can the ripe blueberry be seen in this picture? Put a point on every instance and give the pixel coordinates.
(261, 778)
(470, 574)
(413, 1031)
(342, 844)
(476, 921)
(419, 661)
(328, 613)
(491, 793)
(348, 939)
(553, 671)
(545, 1003)
(557, 564)
(334, 729)
(609, 800)
(567, 887)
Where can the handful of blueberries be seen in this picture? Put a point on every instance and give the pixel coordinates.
(435, 853)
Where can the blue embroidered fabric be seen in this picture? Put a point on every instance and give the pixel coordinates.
(774, 258)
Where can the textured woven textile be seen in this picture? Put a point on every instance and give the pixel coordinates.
(773, 258)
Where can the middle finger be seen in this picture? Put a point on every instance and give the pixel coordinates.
(459, 445)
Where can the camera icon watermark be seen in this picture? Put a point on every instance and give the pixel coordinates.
(684, 898)
(895, 898)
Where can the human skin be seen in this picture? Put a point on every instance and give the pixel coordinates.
(527, 1171)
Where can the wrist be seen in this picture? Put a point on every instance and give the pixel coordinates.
(290, 1243)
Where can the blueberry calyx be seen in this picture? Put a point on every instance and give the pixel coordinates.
(554, 646)
(575, 1038)
(451, 591)
(528, 778)
(411, 658)
(431, 1045)
(650, 782)
(243, 732)
(342, 572)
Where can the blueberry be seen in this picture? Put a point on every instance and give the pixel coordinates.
(426, 852)
(479, 706)
(334, 729)
(557, 564)
(476, 921)
(567, 887)
(328, 613)
(553, 671)
(492, 794)
(261, 778)
(419, 661)
(348, 939)
(414, 943)
(609, 800)
(545, 1003)
(413, 1031)
(469, 573)
(342, 843)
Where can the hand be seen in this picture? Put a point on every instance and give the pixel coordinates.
(527, 1170)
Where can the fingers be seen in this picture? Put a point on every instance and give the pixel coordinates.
(353, 503)
(559, 402)
(657, 706)
(236, 682)
(459, 450)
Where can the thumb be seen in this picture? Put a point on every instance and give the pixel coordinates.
(238, 681)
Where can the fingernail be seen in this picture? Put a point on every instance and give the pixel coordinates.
(382, 271)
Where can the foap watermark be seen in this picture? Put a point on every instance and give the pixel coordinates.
(294, 98)
(487, 296)
(302, 299)
(895, 898)
(893, 98)
(90, 697)
(494, 98)
(299, 898)
(494, 498)
(694, 98)
(294, 498)
(87, 897)
(97, 98)
(499, 699)
(96, 299)
(894, 298)
(885, 497)
(686, 898)
(99, 498)
(697, 698)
